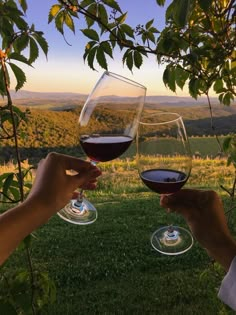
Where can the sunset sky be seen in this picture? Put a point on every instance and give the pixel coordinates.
(65, 71)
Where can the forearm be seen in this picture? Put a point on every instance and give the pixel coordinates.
(225, 253)
(17, 223)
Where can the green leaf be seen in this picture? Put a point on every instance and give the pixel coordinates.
(15, 193)
(113, 39)
(193, 87)
(20, 23)
(205, 4)
(89, 21)
(6, 79)
(23, 4)
(21, 43)
(226, 143)
(144, 37)
(5, 175)
(128, 59)
(107, 48)
(7, 183)
(169, 78)
(41, 42)
(92, 9)
(138, 59)
(149, 24)
(34, 51)
(151, 37)
(69, 22)
(101, 58)
(86, 3)
(19, 74)
(59, 22)
(127, 30)
(55, 9)
(18, 57)
(102, 14)
(153, 30)
(112, 4)
(228, 97)
(122, 18)
(91, 56)
(181, 12)
(90, 33)
(6, 28)
(2, 84)
(218, 85)
(161, 2)
(166, 44)
(181, 77)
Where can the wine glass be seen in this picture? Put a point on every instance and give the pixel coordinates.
(107, 126)
(164, 163)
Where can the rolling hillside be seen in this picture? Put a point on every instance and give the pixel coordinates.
(54, 127)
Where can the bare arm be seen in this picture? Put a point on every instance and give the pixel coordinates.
(204, 213)
(51, 190)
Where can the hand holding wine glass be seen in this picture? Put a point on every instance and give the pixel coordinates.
(164, 163)
(107, 126)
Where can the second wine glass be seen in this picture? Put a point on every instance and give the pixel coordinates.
(107, 126)
(164, 163)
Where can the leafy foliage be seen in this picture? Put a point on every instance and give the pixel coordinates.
(17, 38)
(197, 44)
(26, 291)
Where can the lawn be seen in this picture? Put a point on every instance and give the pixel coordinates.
(109, 267)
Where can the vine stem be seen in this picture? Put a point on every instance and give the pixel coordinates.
(19, 175)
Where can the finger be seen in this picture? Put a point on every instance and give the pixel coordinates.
(89, 186)
(85, 178)
(70, 162)
(186, 199)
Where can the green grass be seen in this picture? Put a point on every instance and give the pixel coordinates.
(109, 267)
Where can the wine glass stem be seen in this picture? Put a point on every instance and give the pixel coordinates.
(170, 230)
(171, 233)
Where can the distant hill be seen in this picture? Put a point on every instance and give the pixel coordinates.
(178, 100)
(63, 101)
(22, 94)
(28, 98)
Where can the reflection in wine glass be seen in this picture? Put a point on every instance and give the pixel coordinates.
(107, 126)
(164, 167)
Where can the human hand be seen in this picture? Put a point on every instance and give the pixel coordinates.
(53, 187)
(204, 213)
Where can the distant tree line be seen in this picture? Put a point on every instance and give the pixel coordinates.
(47, 131)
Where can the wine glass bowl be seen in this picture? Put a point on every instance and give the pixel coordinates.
(108, 124)
(164, 163)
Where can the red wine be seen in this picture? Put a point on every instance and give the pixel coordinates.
(105, 148)
(163, 181)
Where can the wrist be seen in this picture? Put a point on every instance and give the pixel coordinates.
(224, 253)
(38, 209)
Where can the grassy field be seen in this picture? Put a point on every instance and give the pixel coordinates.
(109, 267)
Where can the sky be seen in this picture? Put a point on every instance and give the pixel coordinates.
(65, 71)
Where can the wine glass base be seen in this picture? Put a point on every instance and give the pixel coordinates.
(81, 213)
(176, 242)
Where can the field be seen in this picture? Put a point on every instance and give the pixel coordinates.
(109, 267)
